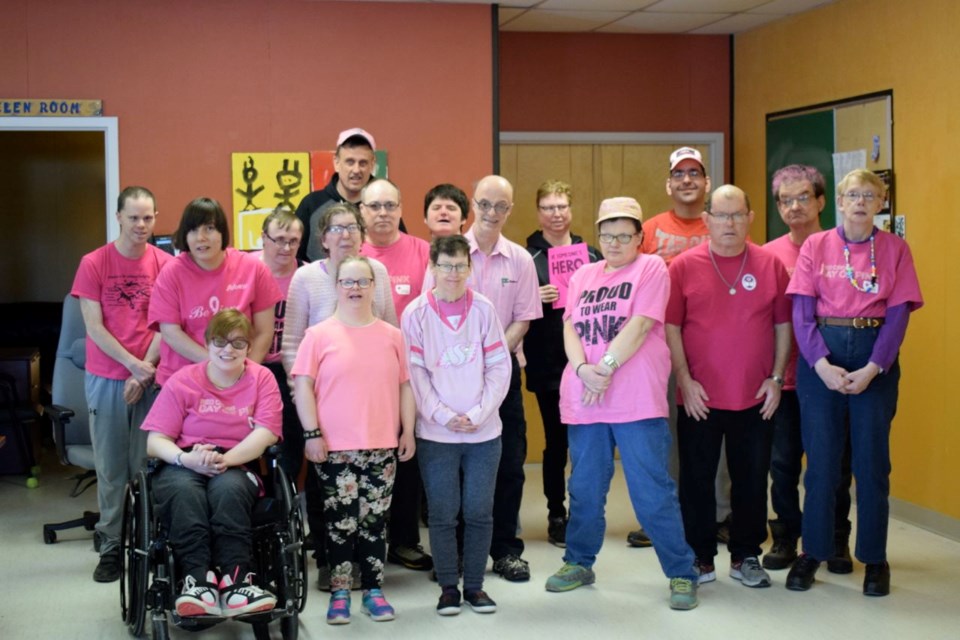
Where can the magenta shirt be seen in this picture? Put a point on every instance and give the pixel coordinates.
(406, 261)
(787, 252)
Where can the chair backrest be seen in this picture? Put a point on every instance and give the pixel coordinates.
(68, 384)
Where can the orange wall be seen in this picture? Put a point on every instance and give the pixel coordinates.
(850, 48)
(615, 82)
(192, 82)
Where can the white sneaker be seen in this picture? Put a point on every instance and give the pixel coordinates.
(244, 597)
(199, 598)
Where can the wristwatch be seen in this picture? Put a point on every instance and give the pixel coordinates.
(777, 379)
(610, 361)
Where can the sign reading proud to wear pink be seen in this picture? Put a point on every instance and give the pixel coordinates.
(563, 262)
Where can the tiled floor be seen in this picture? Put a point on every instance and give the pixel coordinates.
(47, 592)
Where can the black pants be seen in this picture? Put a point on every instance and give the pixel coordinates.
(554, 453)
(510, 476)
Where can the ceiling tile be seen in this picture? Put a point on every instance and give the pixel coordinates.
(506, 14)
(543, 20)
(785, 7)
(646, 22)
(737, 23)
(705, 6)
(597, 5)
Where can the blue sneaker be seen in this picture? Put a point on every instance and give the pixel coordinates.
(569, 577)
(339, 610)
(376, 606)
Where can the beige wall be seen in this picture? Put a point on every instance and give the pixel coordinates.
(850, 48)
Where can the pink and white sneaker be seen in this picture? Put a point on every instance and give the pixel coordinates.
(244, 597)
(199, 598)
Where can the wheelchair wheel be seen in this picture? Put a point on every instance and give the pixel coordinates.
(295, 579)
(134, 558)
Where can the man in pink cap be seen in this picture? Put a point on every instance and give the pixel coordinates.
(353, 163)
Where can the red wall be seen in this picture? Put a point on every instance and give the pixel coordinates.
(615, 82)
(192, 82)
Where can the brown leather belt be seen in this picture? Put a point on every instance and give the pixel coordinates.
(856, 323)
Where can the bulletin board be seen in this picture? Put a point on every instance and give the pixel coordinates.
(812, 135)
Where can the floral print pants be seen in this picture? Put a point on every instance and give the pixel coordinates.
(357, 487)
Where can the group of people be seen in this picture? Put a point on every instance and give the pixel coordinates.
(393, 366)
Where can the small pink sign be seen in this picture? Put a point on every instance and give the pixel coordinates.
(562, 263)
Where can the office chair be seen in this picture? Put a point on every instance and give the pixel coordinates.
(68, 413)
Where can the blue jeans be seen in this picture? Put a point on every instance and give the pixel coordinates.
(441, 466)
(644, 452)
(824, 415)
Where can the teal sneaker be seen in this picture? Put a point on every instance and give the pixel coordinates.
(339, 610)
(569, 577)
(683, 594)
(376, 606)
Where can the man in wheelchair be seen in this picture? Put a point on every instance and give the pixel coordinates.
(209, 421)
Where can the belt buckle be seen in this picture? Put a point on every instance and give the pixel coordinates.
(865, 323)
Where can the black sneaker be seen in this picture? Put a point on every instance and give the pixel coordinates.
(108, 569)
(449, 603)
(511, 568)
(411, 557)
(479, 601)
(639, 539)
(557, 532)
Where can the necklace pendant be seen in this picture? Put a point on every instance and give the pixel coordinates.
(733, 291)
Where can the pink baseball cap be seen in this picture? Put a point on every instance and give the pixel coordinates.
(685, 153)
(356, 131)
(619, 208)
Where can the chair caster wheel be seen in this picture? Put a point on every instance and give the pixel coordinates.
(49, 536)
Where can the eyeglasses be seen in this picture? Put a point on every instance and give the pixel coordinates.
(350, 283)
(551, 208)
(740, 216)
(446, 267)
(853, 196)
(390, 207)
(680, 174)
(622, 238)
(338, 229)
(280, 242)
(486, 205)
(237, 343)
(802, 200)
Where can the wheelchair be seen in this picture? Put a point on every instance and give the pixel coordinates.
(149, 575)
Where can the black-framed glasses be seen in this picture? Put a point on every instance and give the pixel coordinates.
(338, 229)
(446, 267)
(622, 238)
(485, 206)
(389, 207)
(237, 343)
(739, 216)
(680, 174)
(803, 200)
(350, 283)
(554, 208)
(281, 242)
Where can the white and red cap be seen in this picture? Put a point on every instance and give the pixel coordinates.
(685, 153)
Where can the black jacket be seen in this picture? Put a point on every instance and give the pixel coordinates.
(309, 212)
(543, 343)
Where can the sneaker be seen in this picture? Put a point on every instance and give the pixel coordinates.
(706, 572)
(801, 576)
(411, 557)
(376, 606)
(683, 594)
(569, 577)
(244, 597)
(108, 569)
(479, 601)
(512, 568)
(749, 572)
(557, 532)
(449, 603)
(639, 539)
(338, 611)
(198, 598)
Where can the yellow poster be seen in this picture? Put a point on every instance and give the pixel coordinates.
(261, 182)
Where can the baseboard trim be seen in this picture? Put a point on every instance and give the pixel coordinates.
(932, 521)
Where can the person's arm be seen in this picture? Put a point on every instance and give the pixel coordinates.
(263, 322)
(514, 333)
(383, 298)
(695, 397)
(811, 345)
(427, 400)
(315, 449)
(296, 316)
(594, 382)
(142, 371)
(250, 448)
(174, 335)
(408, 423)
(628, 341)
(769, 388)
(497, 370)
(885, 349)
(202, 459)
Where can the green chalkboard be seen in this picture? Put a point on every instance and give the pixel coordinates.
(802, 139)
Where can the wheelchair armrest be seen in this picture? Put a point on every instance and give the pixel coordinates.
(60, 417)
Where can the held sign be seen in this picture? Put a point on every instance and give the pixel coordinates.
(562, 262)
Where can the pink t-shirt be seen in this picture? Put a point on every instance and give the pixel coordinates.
(599, 305)
(189, 296)
(191, 410)
(787, 252)
(821, 274)
(123, 288)
(357, 374)
(406, 261)
(279, 310)
(728, 339)
(456, 369)
(668, 235)
(507, 277)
